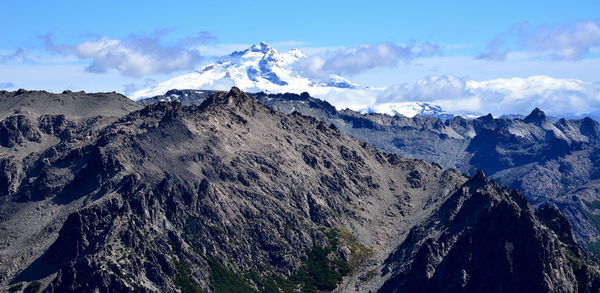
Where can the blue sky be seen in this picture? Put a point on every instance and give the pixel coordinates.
(320, 23)
(42, 42)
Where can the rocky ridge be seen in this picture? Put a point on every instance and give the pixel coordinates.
(551, 161)
(233, 196)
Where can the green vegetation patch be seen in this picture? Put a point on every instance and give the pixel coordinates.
(595, 248)
(272, 283)
(217, 230)
(183, 280)
(575, 263)
(15, 288)
(322, 270)
(595, 205)
(226, 281)
(595, 220)
(33, 287)
(319, 272)
(360, 253)
(566, 182)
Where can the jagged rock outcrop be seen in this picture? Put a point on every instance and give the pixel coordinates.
(483, 232)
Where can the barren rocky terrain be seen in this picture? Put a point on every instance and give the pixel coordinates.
(233, 196)
(550, 161)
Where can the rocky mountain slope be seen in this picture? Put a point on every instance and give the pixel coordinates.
(419, 137)
(232, 196)
(549, 161)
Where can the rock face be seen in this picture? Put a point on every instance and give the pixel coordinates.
(75, 105)
(549, 162)
(486, 233)
(426, 138)
(233, 196)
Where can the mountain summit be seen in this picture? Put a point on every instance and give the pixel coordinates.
(258, 68)
(536, 116)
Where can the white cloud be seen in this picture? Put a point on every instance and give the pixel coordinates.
(517, 64)
(134, 60)
(354, 60)
(559, 97)
(423, 90)
(560, 42)
(134, 55)
(565, 43)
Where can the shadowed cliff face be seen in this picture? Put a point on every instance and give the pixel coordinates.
(548, 162)
(232, 196)
(483, 232)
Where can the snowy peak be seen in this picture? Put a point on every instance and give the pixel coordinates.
(409, 109)
(296, 53)
(255, 52)
(257, 68)
(261, 47)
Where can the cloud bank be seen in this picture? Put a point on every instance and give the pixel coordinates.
(353, 60)
(134, 55)
(559, 42)
(560, 97)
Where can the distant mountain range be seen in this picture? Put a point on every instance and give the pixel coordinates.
(101, 194)
(262, 68)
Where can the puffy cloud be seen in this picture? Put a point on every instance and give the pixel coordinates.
(6, 85)
(134, 55)
(560, 42)
(559, 97)
(358, 59)
(567, 43)
(424, 90)
(137, 58)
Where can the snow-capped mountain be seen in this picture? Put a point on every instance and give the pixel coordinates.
(262, 68)
(408, 109)
(258, 68)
